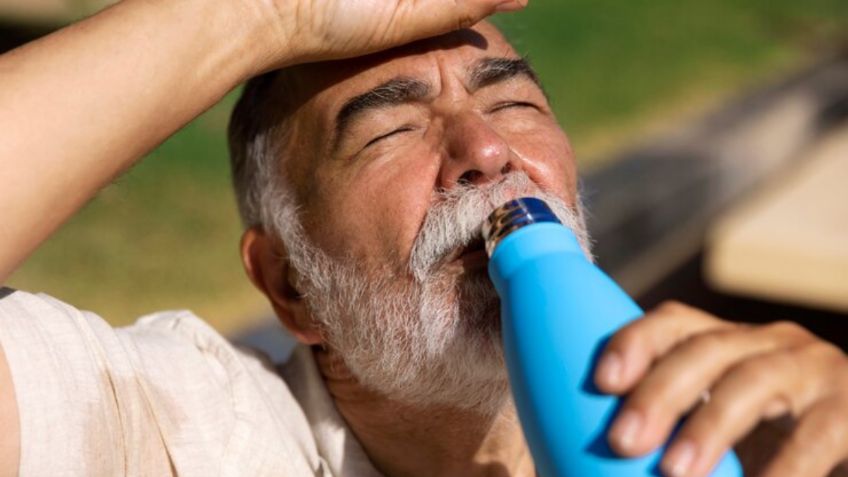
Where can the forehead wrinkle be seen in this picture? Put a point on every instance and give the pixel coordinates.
(298, 96)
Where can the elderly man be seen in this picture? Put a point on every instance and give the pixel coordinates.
(362, 183)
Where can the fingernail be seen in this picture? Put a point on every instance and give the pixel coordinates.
(626, 429)
(678, 460)
(609, 370)
(509, 6)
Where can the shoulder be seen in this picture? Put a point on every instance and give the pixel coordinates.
(17, 304)
(232, 394)
(191, 395)
(69, 368)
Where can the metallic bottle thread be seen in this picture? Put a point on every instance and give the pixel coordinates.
(512, 216)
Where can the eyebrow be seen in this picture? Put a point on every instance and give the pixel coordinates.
(489, 71)
(401, 90)
(396, 91)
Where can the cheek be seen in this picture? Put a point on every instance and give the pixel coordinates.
(376, 208)
(548, 159)
(401, 190)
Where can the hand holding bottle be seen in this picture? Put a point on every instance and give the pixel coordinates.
(666, 362)
(557, 310)
(662, 364)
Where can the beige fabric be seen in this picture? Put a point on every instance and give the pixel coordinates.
(166, 396)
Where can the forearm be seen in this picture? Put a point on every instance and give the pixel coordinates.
(83, 104)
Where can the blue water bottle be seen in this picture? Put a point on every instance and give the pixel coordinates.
(557, 311)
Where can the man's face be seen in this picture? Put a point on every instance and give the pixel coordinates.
(392, 129)
(397, 159)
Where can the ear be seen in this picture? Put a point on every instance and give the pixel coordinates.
(264, 259)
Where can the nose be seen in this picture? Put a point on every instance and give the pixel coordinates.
(475, 153)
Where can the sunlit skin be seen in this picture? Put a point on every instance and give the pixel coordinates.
(81, 106)
(367, 199)
(365, 196)
(379, 192)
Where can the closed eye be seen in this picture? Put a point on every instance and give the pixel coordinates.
(512, 104)
(399, 130)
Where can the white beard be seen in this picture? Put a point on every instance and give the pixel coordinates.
(426, 337)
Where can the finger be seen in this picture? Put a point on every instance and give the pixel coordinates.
(818, 443)
(677, 380)
(631, 351)
(425, 18)
(510, 6)
(743, 396)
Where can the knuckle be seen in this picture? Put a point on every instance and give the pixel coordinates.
(760, 369)
(627, 337)
(835, 428)
(831, 366)
(675, 310)
(706, 342)
(708, 345)
(663, 401)
(826, 431)
(830, 353)
(672, 307)
(714, 420)
(653, 400)
(787, 328)
(465, 20)
(637, 403)
(465, 15)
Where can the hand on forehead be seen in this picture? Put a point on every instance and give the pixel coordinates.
(372, 138)
(319, 95)
(309, 80)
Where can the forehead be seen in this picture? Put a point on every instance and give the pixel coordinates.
(315, 82)
(314, 92)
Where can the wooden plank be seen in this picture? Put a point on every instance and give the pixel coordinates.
(650, 209)
(789, 242)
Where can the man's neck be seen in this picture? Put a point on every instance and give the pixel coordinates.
(403, 440)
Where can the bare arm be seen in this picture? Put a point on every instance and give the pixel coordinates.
(83, 104)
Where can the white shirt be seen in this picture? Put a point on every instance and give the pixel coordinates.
(165, 396)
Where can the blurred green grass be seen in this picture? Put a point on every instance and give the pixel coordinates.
(166, 235)
(613, 68)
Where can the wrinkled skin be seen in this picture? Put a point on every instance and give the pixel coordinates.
(318, 30)
(366, 200)
(186, 55)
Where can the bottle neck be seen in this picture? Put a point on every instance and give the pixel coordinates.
(513, 216)
(530, 243)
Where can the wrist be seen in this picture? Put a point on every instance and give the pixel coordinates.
(226, 41)
(263, 35)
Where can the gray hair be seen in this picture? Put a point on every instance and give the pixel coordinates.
(420, 335)
(257, 135)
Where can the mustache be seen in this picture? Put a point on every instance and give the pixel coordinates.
(456, 217)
